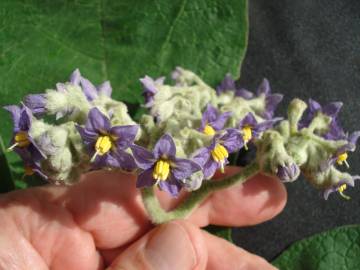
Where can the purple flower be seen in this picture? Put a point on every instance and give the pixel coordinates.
(341, 187)
(107, 144)
(340, 156)
(288, 173)
(150, 88)
(31, 164)
(216, 155)
(226, 84)
(335, 131)
(212, 120)
(21, 142)
(271, 100)
(250, 128)
(162, 167)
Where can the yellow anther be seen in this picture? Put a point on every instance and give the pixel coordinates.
(103, 145)
(28, 170)
(161, 170)
(342, 159)
(219, 154)
(21, 140)
(341, 189)
(209, 130)
(247, 135)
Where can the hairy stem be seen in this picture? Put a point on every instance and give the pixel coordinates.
(158, 215)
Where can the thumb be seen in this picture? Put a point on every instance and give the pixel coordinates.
(175, 245)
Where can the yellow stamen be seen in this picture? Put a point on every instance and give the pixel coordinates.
(28, 171)
(102, 146)
(247, 135)
(21, 140)
(219, 154)
(342, 159)
(341, 190)
(161, 170)
(209, 130)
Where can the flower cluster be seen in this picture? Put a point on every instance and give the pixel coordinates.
(188, 134)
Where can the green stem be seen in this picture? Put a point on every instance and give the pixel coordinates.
(158, 215)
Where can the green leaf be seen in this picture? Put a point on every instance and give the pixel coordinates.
(6, 180)
(43, 41)
(335, 249)
(223, 232)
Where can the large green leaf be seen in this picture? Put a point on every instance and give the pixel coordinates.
(43, 41)
(335, 249)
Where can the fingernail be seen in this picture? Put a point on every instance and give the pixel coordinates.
(170, 248)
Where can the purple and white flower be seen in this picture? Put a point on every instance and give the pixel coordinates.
(22, 143)
(250, 128)
(335, 131)
(340, 156)
(212, 120)
(106, 144)
(150, 88)
(161, 166)
(340, 187)
(216, 155)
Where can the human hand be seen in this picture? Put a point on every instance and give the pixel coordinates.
(101, 222)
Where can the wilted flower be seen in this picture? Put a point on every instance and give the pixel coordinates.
(250, 128)
(341, 187)
(288, 173)
(212, 120)
(162, 167)
(107, 144)
(216, 155)
(271, 100)
(150, 88)
(22, 142)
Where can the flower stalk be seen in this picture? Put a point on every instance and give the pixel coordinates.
(158, 215)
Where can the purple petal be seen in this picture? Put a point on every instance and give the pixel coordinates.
(75, 77)
(271, 103)
(88, 88)
(210, 168)
(145, 179)
(220, 121)
(244, 93)
(105, 89)
(248, 120)
(143, 157)
(97, 122)
(36, 103)
(125, 135)
(171, 186)
(209, 115)
(264, 88)
(148, 84)
(165, 147)
(232, 140)
(267, 124)
(125, 160)
(201, 156)
(314, 106)
(88, 136)
(227, 84)
(332, 109)
(15, 112)
(335, 132)
(354, 137)
(184, 168)
(325, 164)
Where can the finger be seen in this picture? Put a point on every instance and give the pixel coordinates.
(257, 200)
(177, 245)
(226, 256)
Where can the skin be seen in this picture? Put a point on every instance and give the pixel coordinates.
(100, 222)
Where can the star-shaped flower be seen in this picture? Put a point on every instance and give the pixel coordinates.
(161, 166)
(212, 120)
